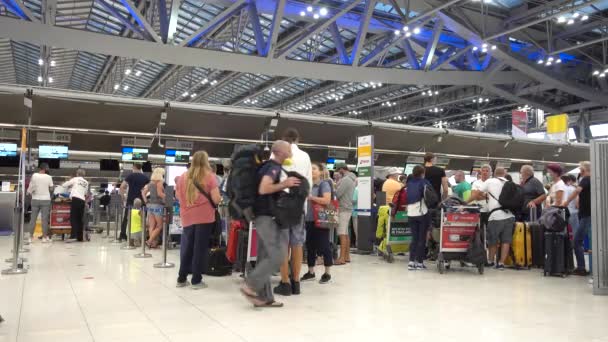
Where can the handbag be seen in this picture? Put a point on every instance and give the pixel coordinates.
(216, 233)
(326, 216)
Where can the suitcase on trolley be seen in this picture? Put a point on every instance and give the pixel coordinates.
(521, 247)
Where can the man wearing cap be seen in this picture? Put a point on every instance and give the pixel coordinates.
(344, 193)
(392, 185)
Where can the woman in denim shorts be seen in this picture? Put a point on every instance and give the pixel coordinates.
(155, 204)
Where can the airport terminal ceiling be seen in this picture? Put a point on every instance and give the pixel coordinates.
(103, 120)
(455, 64)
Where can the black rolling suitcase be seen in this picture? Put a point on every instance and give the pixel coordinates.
(537, 232)
(555, 254)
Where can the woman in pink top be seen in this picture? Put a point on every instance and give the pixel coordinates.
(198, 194)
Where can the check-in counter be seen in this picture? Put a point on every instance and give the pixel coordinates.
(7, 209)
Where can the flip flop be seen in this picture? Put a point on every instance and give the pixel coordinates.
(339, 263)
(272, 304)
(253, 299)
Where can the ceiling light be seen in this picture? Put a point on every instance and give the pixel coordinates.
(53, 63)
(406, 28)
(138, 73)
(585, 18)
(548, 63)
(561, 19)
(40, 61)
(475, 48)
(576, 15)
(550, 59)
(417, 30)
(316, 16)
(309, 8)
(323, 11)
(50, 80)
(185, 94)
(193, 95)
(602, 75)
(116, 86)
(128, 72)
(436, 92)
(596, 72)
(484, 45)
(484, 50)
(302, 13)
(409, 34)
(205, 81)
(397, 32)
(540, 61)
(570, 22)
(40, 79)
(125, 87)
(493, 47)
(559, 60)
(487, 99)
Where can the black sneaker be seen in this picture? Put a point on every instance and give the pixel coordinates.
(325, 278)
(295, 287)
(490, 264)
(308, 276)
(283, 289)
(500, 267)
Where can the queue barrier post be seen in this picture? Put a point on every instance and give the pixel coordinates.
(117, 224)
(128, 245)
(108, 216)
(164, 263)
(143, 254)
(17, 262)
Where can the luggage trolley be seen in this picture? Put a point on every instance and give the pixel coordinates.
(458, 227)
(252, 249)
(60, 219)
(398, 236)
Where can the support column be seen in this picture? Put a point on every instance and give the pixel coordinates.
(599, 216)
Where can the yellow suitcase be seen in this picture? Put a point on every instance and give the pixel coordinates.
(521, 247)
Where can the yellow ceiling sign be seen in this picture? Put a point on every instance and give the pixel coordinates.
(557, 124)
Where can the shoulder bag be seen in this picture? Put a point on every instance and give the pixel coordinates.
(326, 216)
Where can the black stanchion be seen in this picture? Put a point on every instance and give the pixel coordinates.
(129, 223)
(143, 253)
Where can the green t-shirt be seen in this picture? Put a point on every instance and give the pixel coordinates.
(463, 190)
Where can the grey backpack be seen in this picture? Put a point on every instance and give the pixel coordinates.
(554, 219)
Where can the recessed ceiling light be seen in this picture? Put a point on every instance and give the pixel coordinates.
(406, 28)
(397, 32)
(323, 11)
(40, 61)
(116, 86)
(125, 87)
(309, 8)
(50, 80)
(138, 73)
(53, 63)
(39, 78)
(417, 30)
(561, 19)
(316, 16)
(585, 18)
(302, 13)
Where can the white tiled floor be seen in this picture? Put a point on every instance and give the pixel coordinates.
(97, 292)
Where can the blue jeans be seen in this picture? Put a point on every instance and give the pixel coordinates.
(584, 229)
(419, 226)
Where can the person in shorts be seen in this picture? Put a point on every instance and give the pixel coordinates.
(344, 193)
(154, 196)
(300, 163)
(500, 226)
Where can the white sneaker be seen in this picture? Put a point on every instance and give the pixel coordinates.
(45, 239)
(411, 266)
(420, 267)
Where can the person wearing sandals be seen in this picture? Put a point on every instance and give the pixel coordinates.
(198, 194)
(154, 196)
(418, 216)
(317, 239)
(272, 239)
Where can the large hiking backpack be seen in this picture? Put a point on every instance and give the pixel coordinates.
(511, 197)
(289, 206)
(242, 186)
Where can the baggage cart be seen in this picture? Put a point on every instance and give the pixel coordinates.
(458, 227)
(60, 219)
(398, 236)
(252, 248)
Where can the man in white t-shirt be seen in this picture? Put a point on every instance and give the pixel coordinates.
(300, 163)
(499, 232)
(484, 175)
(79, 188)
(40, 188)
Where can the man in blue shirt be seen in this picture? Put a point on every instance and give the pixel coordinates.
(134, 182)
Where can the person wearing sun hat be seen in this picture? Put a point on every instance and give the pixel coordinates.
(392, 185)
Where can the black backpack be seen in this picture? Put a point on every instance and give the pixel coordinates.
(289, 206)
(219, 265)
(430, 197)
(242, 184)
(511, 197)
